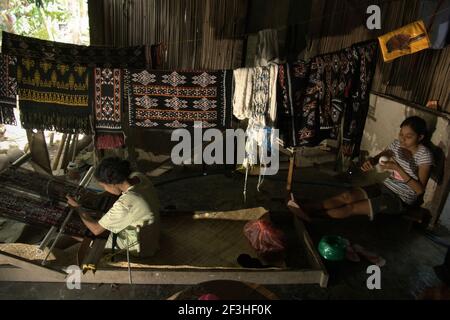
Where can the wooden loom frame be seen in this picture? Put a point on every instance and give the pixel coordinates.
(15, 268)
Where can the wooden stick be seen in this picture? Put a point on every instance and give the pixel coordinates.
(65, 152)
(60, 149)
(290, 173)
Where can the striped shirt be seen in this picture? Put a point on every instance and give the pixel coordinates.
(410, 164)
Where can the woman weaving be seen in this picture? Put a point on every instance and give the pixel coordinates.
(138, 205)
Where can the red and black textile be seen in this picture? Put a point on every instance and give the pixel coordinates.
(45, 186)
(66, 53)
(53, 96)
(8, 89)
(177, 99)
(107, 101)
(38, 212)
(40, 200)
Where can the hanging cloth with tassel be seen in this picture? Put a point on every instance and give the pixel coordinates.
(107, 102)
(255, 100)
(53, 96)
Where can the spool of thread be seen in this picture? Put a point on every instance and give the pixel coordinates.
(383, 160)
(73, 171)
(332, 248)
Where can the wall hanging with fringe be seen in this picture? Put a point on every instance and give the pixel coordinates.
(318, 97)
(92, 56)
(107, 102)
(8, 89)
(176, 99)
(53, 96)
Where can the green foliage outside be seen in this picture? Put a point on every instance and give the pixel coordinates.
(55, 20)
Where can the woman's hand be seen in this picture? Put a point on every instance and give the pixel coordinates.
(72, 202)
(390, 165)
(367, 166)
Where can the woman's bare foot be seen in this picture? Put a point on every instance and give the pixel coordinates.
(295, 209)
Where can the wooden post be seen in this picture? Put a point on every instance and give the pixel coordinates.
(74, 147)
(60, 149)
(52, 137)
(290, 173)
(65, 153)
(39, 152)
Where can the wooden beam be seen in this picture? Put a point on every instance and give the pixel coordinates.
(27, 270)
(164, 276)
(60, 149)
(39, 151)
(313, 256)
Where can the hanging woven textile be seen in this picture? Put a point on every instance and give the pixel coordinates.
(92, 56)
(319, 97)
(255, 99)
(177, 99)
(323, 103)
(357, 105)
(8, 89)
(291, 85)
(406, 40)
(107, 101)
(53, 96)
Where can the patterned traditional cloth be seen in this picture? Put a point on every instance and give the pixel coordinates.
(254, 96)
(357, 105)
(29, 209)
(108, 107)
(53, 96)
(65, 53)
(8, 89)
(291, 86)
(171, 99)
(328, 86)
(255, 99)
(39, 199)
(316, 96)
(45, 186)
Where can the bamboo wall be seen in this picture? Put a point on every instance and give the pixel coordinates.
(423, 76)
